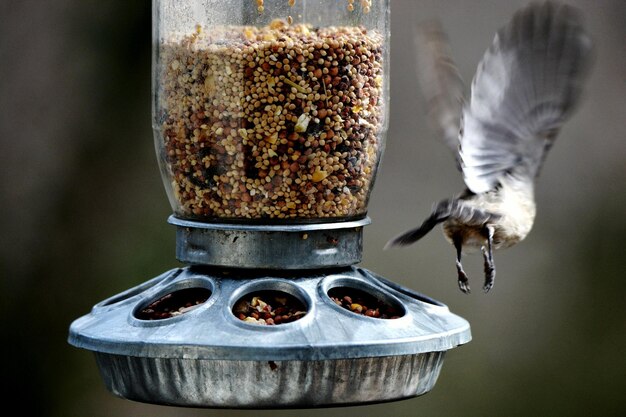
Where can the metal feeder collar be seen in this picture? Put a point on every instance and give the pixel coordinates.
(289, 246)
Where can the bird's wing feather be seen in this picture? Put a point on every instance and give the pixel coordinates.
(526, 86)
(440, 82)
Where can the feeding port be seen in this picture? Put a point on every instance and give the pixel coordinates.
(269, 122)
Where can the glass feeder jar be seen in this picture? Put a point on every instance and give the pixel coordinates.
(270, 111)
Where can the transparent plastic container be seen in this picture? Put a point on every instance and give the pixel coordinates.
(270, 111)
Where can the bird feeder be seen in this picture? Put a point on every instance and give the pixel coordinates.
(269, 121)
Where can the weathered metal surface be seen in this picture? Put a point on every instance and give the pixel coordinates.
(293, 246)
(258, 385)
(207, 357)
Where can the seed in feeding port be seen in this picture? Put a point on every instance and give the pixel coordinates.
(362, 303)
(356, 307)
(268, 307)
(174, 304)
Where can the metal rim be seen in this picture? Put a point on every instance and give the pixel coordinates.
(293, 247)
(295, 228)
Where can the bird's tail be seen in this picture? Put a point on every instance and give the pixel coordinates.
(450, 208)
(441, 212)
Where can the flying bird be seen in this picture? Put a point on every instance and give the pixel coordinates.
(526, 86)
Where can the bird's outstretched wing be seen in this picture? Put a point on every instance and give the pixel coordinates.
(526, 86)
(440, 82)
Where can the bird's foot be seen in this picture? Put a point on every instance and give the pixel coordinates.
(463, 280)
(489, 266)
(464, 286)
(490, 272)
(462, 276)
(489, 279)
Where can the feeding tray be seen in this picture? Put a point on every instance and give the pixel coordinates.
(208, 356)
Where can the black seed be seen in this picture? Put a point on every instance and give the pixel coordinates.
(251, 171)
(314, 128)
(298, 146)
(342, 147)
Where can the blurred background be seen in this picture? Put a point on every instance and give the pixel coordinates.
(83, 217)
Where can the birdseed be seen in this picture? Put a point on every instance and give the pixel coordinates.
(279, 122)
(174, 304)
(269, 308)
(363, 303)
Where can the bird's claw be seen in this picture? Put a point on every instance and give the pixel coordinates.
(490, 275)
(463, 282)
(464, 286)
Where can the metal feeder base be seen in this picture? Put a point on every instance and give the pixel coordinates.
(209, 358)
(284, 384)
